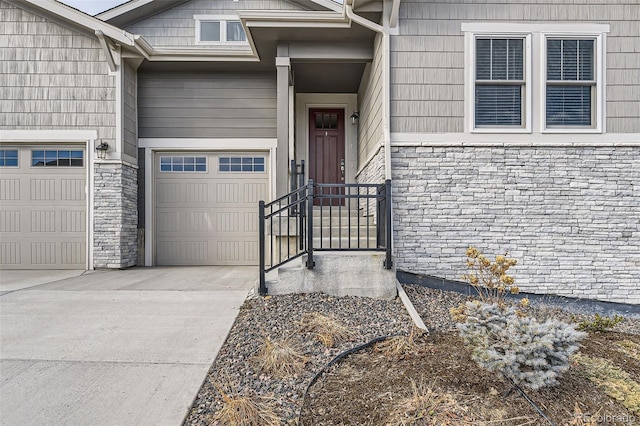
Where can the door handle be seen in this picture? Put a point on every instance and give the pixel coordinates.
(342, 168)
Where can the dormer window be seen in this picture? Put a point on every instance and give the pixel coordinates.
(219, 29)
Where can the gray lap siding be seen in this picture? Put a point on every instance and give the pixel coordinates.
(207, 105)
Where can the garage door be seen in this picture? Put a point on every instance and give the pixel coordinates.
(42, 207)
(207, 207)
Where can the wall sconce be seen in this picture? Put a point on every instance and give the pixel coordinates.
(102, 149)
(355, 118)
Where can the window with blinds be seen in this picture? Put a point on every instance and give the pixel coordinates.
(570, 82)
(499, 82)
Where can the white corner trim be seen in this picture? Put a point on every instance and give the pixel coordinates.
(506, 140)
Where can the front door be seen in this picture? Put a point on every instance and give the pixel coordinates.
(326, 151)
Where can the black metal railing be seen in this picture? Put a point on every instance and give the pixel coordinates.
(350, 217)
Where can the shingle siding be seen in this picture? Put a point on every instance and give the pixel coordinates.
(427, 57)
(52, 77)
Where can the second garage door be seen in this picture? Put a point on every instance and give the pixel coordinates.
(206, 207)
(43, 207)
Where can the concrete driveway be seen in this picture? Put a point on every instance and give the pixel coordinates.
(118, 348)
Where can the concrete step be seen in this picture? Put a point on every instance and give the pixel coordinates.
(335, 231)
(338, 274)
(343, 221)
(337, 243)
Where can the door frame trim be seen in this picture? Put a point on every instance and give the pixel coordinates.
(346, 101)
(153, 146)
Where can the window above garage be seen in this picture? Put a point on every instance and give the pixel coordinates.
(241, 164)
(183, 164)
(57, 158)
(8, 158)
(216, 29)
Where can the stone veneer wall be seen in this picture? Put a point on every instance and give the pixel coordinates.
(115, 216)
(570, 215)
(373, 172)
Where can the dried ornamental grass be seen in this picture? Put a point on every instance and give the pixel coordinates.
(241, 410)
(280, 358)
(400, 346)
(325, 329)
(584, 419)
(615, 382)
(427, 406)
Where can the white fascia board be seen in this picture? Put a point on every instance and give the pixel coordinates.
(279, 18)
(329, 4)
(122, 9)
(218, 53)
(84, 20)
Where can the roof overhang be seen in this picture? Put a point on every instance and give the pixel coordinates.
(74, 18)
(136, 10)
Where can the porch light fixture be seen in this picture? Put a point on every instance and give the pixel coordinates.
(102, 149)
(355, 118)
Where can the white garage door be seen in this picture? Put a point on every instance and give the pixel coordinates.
(42, 207)
(207, 207)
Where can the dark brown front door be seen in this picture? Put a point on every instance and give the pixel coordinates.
(326, 150)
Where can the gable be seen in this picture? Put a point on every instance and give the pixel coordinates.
(176, 27)
(52, 76)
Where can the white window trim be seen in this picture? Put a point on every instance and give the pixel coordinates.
(535, 69)
(598, 104)
(470, 81)
(223, 19)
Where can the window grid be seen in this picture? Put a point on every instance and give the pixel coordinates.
(57, 158)
(499, 82)
(241, 164)
(8, 158)
(570, 82)
(189, 164)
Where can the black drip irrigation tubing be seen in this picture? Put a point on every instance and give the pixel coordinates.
(533, 404)
(372, 342)
(339, 357)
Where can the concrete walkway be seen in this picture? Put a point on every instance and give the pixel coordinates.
(114, 348)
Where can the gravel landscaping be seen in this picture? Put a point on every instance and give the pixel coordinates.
(276, 317)
(237, 371)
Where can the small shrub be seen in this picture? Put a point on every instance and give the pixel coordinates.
(600, 324)
(503, 338)
(530, 353)
(280, 358)
(325, 329)
(242, 410)
(490, 279)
